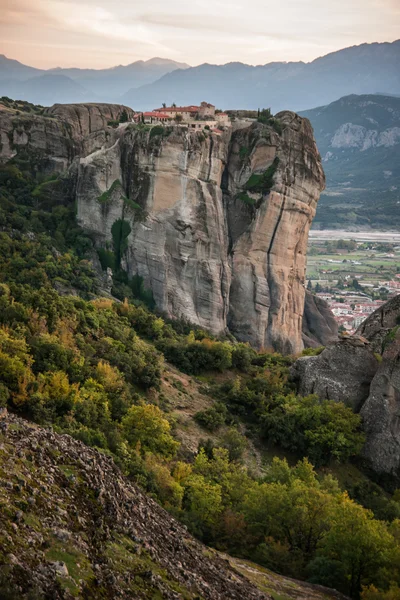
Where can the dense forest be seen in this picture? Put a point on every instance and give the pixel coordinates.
(93, 367)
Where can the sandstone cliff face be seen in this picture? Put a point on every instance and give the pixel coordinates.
(218, 223)
(269, 256)
(167, 190)
(215, 225)
(59, 134)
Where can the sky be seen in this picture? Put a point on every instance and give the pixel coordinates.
(104, 33)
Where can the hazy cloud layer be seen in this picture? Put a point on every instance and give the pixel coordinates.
(99, 33)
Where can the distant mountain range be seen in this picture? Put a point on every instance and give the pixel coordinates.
(59, 85)
(365, 69)
(359, 141)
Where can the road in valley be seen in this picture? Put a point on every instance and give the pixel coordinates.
(358, 236)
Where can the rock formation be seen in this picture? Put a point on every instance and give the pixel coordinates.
(342, 372)
(214, 225)
(380, 323)
(217, 224)
(58, 134)
(350, 371)
(319, 325)
(381, 413)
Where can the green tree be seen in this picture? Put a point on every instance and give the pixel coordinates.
(202, 505)
(146, 425)
(124, 116)
(362, 544)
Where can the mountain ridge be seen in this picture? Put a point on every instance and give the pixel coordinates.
(358, 137)
(282, 85)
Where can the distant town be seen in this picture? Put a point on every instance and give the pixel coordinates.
(354, 277)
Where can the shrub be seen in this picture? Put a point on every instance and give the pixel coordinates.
(213, 417)
(124, 117)
(321, 430)
(156, 130)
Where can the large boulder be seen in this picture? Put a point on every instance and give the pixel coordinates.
(381, 413)
(319, 325)
(380, 323)
(342, 372)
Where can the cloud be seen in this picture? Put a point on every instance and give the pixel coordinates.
(104, 32)
(200, 22)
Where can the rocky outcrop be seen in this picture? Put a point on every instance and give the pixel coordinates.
(214, 225)
(268, 250)
(342, 372)
(351, 372)
(217, 224)
(319, 325)
(380, 323)
(72, 526)
(381, 414)
(349, 135)
(54, 136)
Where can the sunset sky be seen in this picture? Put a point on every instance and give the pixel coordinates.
(104, 33)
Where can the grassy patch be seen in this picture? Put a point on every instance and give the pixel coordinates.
(78, 565)
(124, 556)
(245, 198)
(140, 214)
(105, 197)
(263, 183)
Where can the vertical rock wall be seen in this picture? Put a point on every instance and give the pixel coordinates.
(218, 223)
(215, 225)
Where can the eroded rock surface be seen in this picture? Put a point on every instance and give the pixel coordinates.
(62, 132)
(218, 223)
(342, 372)
(214, 225)
(377, 327)
(319, 325)
(381, 413)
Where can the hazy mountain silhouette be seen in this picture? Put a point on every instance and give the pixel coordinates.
(369, 68)
(365, 69)
(20, 81)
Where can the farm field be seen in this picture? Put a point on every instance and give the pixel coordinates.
(352, 273)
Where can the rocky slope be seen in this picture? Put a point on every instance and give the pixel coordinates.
(363, 371)
(217, 225)
(73, 527)
(213, 225)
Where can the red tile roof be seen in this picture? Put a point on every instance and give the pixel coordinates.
(178, 109)
(156, 115)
